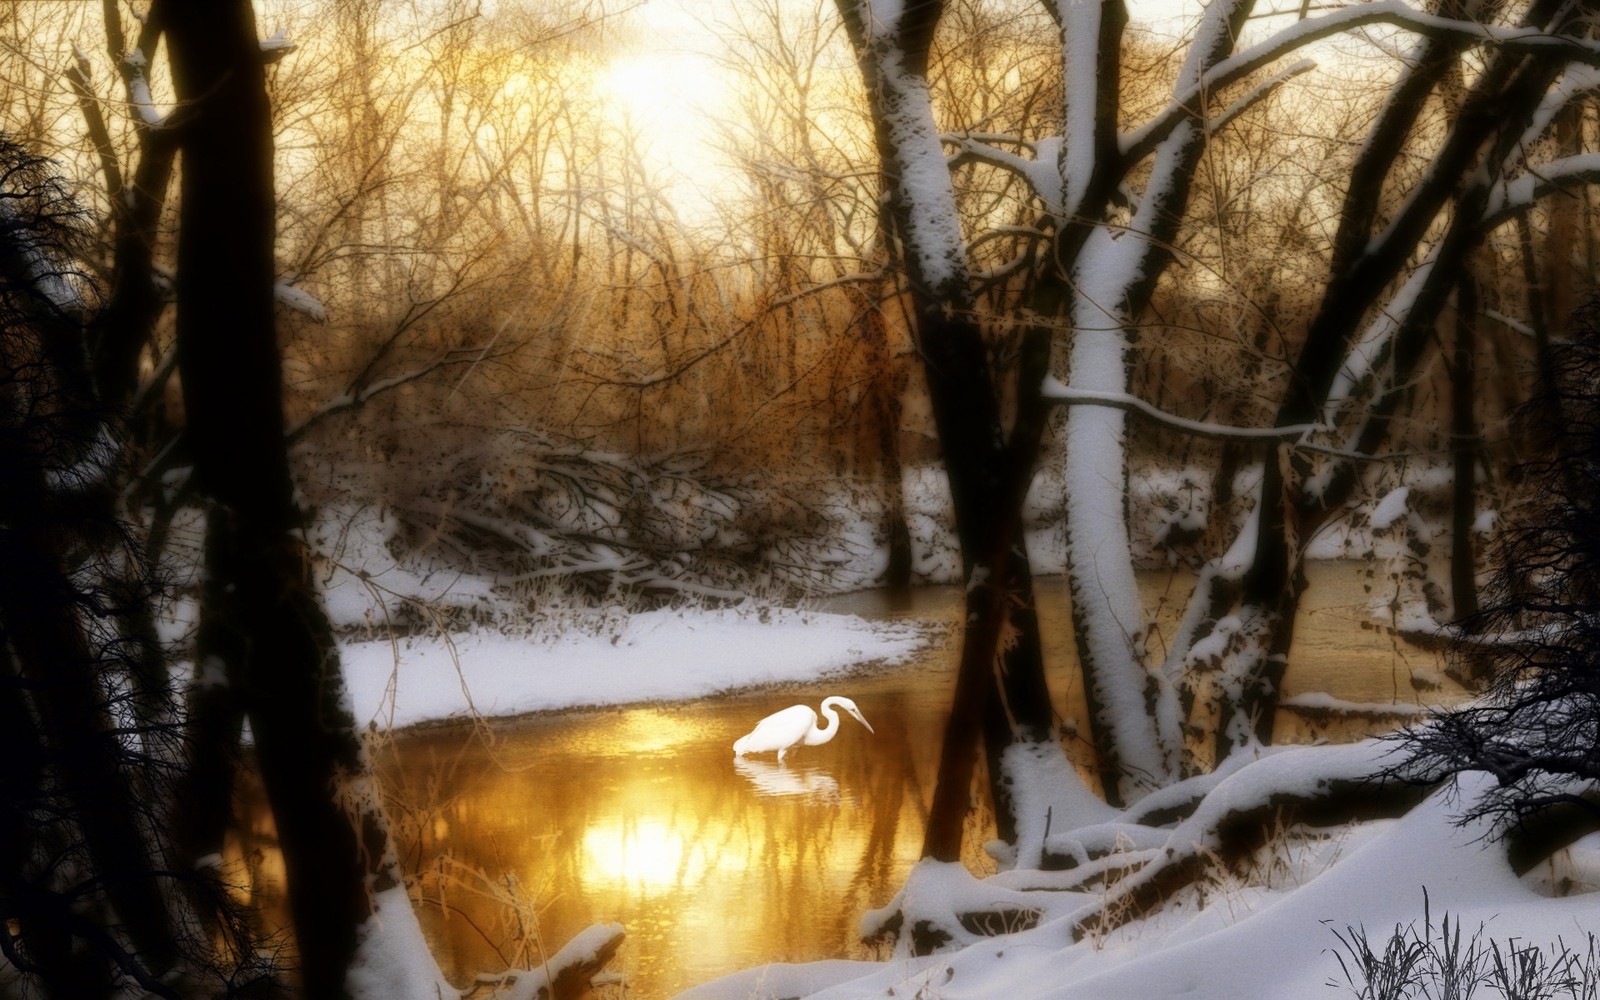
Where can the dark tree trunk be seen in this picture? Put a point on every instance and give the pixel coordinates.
(286, 675)
(40, 939)
(1464, 453)
(1490, 118)
(884, 408)
(1001, 694)
(54, 515)
(39, 621)
(1001, 691)
(124, 328)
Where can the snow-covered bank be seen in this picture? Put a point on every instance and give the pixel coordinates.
(1247, 943)
(661, 655)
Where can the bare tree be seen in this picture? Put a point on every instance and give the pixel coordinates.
(1107, 232)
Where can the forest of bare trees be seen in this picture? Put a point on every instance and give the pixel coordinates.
(265, 265)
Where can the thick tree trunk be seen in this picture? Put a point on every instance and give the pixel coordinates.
(885, 410)
(334, 841)
(1000, 687)
(40, 938)
(55, 500)
(1135, 714)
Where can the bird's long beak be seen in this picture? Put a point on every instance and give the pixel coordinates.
(863, 720)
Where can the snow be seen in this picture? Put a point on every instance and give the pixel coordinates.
(278, 41)
(1052, 388)
(393, 960)
(1080, 45)
(1371, 351)
(586, 948)
(45, 277)
(669, 654)
(932, 224)
(301, 301)
(135, 65)
(1105, 597)
(1322, 702)
(1247, 943)
(1391, 508)
(1047, 791)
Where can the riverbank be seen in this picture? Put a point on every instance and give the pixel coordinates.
(669, 654)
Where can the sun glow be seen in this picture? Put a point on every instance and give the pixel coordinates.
(670, 98)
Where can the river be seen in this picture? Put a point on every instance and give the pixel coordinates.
(525, 831)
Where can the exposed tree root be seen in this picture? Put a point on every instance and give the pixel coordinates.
(1317, 787)
(569, 974)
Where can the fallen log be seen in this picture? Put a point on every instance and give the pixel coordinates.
(569, 974)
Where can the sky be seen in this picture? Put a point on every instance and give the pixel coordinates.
(670, 86)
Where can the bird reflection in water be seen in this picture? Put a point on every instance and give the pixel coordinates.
(781, 780)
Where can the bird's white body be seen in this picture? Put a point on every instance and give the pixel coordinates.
(796, 726)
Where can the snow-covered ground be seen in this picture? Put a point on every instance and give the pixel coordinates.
(1234, 941)
(663, 655)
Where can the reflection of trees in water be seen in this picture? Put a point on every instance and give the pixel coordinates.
(895, 786)
(711, 870)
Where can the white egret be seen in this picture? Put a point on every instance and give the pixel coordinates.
(796, 726)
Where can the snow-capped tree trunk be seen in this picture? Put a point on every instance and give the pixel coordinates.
(1000, 687)
(1134, 714)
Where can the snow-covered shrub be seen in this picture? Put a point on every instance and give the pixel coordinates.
(463, 522)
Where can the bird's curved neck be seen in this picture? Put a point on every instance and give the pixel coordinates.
(824, 732)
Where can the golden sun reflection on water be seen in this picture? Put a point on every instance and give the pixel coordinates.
(644, 816)
(646, 856)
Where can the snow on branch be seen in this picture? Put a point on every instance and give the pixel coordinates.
(1142, 141)
(1576, 82)
(1054, 391)
(1324, 707)
(1370, 352)
(567, 974)
(1518, 195)
(276, 46)
(1259, 93)
(301, 301)
(133, 67)
(1042, 173)
(356, 399)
